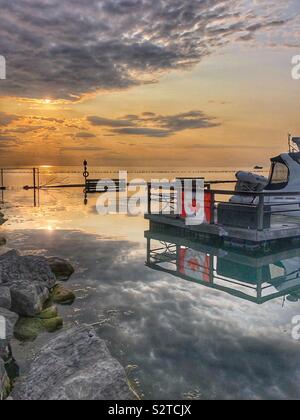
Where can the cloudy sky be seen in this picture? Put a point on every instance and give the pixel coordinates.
(148, 82)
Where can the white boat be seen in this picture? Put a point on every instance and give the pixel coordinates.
(284, 178)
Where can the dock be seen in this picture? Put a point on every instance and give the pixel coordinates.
(250, 226)
(238, 236)
(244, 275)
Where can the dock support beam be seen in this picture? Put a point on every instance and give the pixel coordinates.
(261, 213)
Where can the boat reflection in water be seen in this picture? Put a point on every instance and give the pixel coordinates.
(255, 278)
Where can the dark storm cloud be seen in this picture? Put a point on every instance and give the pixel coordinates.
(7, 142)
(64, 49)
(84, 135)
(26, 129)
(142, 131)
(153, 125)
(107, 122)
(6, 119)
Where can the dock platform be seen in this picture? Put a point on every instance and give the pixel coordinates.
(250, 238)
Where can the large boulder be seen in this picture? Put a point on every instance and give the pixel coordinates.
(76, 365)
(5, 297)
(15, 268)
(29, 279)
(28, 299)
(62, 269)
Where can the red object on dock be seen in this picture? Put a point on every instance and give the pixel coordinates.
(194, 264)
(207, 205)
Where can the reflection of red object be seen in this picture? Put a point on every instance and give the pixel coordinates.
(194, 264)
(195, 205)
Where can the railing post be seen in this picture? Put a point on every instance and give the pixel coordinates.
(34, 186)
(212, 207)
(261, 212)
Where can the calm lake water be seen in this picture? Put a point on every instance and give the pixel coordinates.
(186, 320)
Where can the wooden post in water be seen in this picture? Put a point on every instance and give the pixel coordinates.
(34, 187)
(149, 197)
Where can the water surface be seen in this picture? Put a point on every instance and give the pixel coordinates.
(177, 335)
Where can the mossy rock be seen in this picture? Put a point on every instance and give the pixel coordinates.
(27, 329)
(62, 269)
(49, 313)
(53, 324)
(62, 295)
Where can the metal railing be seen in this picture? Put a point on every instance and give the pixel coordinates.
(262, 203)
(164, 257)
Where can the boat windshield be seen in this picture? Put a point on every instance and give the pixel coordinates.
(279, 176)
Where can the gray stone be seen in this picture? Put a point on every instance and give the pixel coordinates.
(61, 268)
(5, 297)
(28, 299)
(15, 268)
(29, 279)
(76, 365)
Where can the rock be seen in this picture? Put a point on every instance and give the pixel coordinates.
(49, 313)
(2, 241)
(53, 324)
(28, 329)
(76, 365)
(15, 269)
(5, 297)
(29, 278)
(28, 299)
(5, 384)
(61, 268)
(62, 295)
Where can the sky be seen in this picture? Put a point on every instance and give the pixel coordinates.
(144, 83)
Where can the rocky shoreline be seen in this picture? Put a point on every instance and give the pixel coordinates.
(76, 364)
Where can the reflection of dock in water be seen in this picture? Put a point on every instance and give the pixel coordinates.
(255, 278)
